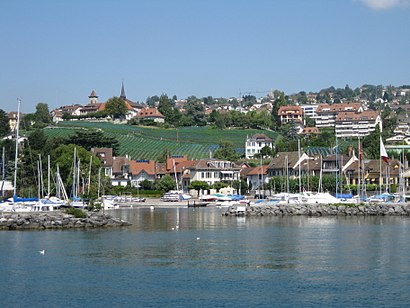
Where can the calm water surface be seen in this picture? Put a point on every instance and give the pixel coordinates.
(195, 257)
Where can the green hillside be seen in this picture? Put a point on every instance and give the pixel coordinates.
(151, 142)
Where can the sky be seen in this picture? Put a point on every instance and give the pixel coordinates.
(57, 52)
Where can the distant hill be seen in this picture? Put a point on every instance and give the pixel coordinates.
(150, 142)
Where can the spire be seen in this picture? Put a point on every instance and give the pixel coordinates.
(122, 95)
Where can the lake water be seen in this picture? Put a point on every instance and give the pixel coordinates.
(211, 261)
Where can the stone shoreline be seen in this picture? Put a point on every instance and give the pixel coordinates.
(320, 210)
(57, 220)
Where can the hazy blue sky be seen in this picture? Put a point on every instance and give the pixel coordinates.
(57, 51)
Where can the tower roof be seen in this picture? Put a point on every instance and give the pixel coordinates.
(93, 94)
(122, 95)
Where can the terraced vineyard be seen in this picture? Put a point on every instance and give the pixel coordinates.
(151, 142)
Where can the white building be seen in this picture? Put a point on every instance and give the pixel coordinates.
(255, 143)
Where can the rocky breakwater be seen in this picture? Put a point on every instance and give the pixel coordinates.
(57, 220)
(320, 210)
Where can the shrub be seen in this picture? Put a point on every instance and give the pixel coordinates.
(77, 213)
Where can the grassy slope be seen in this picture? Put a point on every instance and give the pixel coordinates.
(151, 142)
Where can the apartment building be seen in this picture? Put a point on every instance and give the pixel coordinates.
(350, 124)
(326, 114)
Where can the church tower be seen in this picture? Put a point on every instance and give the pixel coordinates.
(93, 98)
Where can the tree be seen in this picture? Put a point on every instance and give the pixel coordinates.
(152, 100)
(63, 157)
(279, 102)
(166, 183)
(219, 185)
(226, 151)
(116, 108)
(94, 139)
(198, 186)
(146, 185)
(165, 107)
(42, 116)
(37, 140)
(249, 100)
(310, 122)
(195, 110)
(266, 151)
(259, 119)
(4, 124)
(371, 144)
(163, 157)
(241, 186)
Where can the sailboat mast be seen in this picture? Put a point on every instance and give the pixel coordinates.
(300, 179)
(17, 146)
(89, 175)
(3, 172)
(74, 174)
(337, 167)
(48, 175)
(175, 172)
(358, 169)
(287, 173)
(40, 176)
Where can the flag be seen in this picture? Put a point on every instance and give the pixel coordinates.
(383, 153)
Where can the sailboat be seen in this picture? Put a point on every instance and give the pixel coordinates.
(16, 203)
(76, 201)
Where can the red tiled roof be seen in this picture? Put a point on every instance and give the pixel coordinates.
(363, 116)
(149, 112)
(283, 110)
(338, 107)
(148, 166)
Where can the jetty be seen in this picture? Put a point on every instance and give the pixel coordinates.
(57, 220)
(397, 209)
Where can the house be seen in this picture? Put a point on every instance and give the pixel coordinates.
(72, 110)
(255, 177)
(287, 164)
(255, 143)
(151, 113)
(141, 170)
(289, 114)
(207, 170)
(105, 155)
(173, 160)
(120, 171)
(374, 171)
(12, 117)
